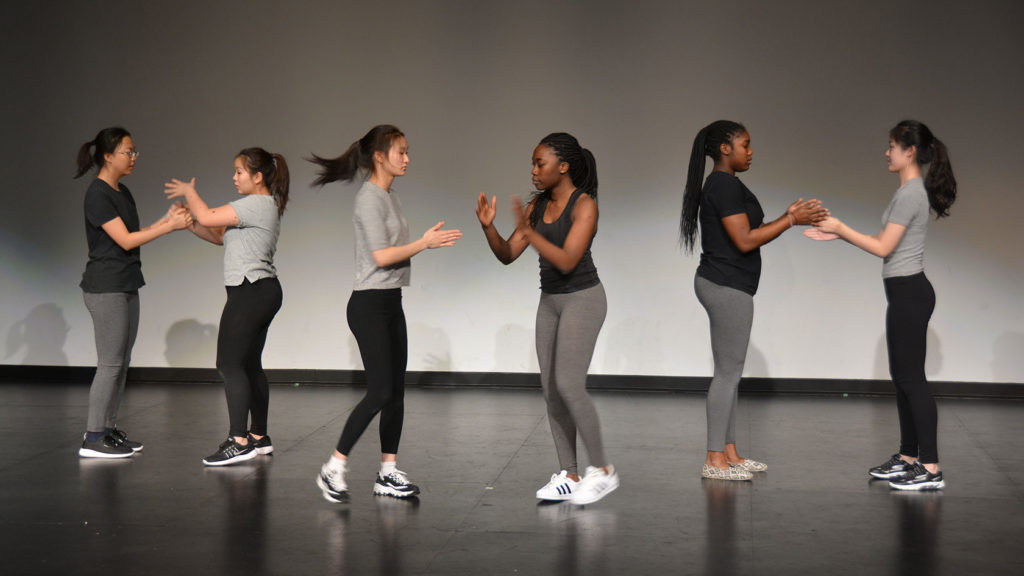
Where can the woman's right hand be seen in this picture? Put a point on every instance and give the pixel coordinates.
(806, 212)
(179, 218)
(435, 237)
(485, 211)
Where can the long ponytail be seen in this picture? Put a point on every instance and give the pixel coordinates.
(274, 169)
(92, 153)
(939, 182)
(582, 166)
(708, 142)
(358, 158)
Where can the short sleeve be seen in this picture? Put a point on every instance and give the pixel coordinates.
(246, 210)
(370, 219)
(905, 206)
(728, 198)
(99, 208)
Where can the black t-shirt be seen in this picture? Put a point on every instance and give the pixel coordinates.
(721, 261)
(110, 267)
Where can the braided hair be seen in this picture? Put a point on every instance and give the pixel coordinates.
(707, 143)
(582, 167)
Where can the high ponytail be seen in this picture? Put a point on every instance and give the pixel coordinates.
(582, 166)
(707, 143)
(92, 153)
(358, 158)
(274, 169)
(939, 182)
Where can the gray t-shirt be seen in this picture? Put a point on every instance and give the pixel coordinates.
(249, 247)
(378, 224)
(909, 207)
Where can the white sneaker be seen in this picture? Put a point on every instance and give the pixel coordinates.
(561, 487)
(595, 485)
(332, 484)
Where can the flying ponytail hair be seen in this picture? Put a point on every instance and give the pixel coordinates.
(274, 170)
(358, 158)
(707, 143)
(582, 167)
(92, 152)
(939, 182)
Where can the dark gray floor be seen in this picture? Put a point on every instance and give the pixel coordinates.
(479, 455)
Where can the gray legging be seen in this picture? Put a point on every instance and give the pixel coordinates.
(731, 313)
(567, 329)
(115, 320)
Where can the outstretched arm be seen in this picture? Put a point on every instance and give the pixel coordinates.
(506, 251)
(748, 239)
(434, 237)
(175, 219)
(208, 217)
(881, 244)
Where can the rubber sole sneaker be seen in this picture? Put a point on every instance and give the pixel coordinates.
(262, 445)
(123, 438)
(330, 490)
(396, 485)
(230, 452)
(919, 478)
(895, 467)
(730, 473)
(559, 488)
(595, 485)
(106, 447)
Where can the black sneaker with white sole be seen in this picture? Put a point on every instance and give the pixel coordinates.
(262, 445)
(230, 452)
(895, 467)
(919, 478)
(120, 435)
(396, 485)
(106, 447)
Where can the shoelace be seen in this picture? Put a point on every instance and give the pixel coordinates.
(399, 477)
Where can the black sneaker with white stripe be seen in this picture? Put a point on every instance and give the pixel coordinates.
(396, 485)
(262, 445)
(230, 452)
(123, 438)
(895, 467)
(919, 478)
(106, 447)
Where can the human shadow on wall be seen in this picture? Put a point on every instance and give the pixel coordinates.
(515, 349)
(1007, 365)
(42, 334)
(191, 343)
(429, 348)
(932, 362)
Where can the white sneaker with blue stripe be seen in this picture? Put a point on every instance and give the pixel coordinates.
(560, 487)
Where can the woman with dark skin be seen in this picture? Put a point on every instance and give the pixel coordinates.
(560, 223)
(732, 231)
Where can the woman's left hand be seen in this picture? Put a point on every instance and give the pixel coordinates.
(178, 189)
(830, 225)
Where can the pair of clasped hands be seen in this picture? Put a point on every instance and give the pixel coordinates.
(823, 225)
(178, 216)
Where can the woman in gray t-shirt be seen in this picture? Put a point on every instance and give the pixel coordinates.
(910, 296)
(248, 228)
(374, 312)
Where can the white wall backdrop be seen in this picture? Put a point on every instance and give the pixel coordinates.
(475, 85)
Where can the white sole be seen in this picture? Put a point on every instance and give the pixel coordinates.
(591, 499)
(379, 490)
(235, 460)
(919, 487)
(86, 453)
(264, 451)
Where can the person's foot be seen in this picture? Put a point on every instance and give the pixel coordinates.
(396, 485)
(730, 473)
(750, 465)
(261, 445)
(895, 467)
(560, 487)
(107, 446)
(332, 483)
(919, 478)
(594, 485)
(230, 452)
(123, 437)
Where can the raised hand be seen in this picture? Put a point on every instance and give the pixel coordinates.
(435, 237)
(817, 234)
(178, 189)
(519, 213)
(485, 211)
(805, 212)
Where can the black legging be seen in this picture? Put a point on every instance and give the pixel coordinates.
(243, 332)
(378, 323)
(911, 302)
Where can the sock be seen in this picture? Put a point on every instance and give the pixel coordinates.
(94, 436)
(387, 468)
(337, 464)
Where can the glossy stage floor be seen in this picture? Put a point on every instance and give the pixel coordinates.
(479, 455)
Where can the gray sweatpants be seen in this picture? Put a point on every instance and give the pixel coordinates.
(115, 321)
(567, 329)
(731, 313)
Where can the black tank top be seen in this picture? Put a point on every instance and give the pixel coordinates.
(551, 280)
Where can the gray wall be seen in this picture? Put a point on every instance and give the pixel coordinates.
(475, 85)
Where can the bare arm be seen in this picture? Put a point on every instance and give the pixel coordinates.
(118, 232)
(213, 235)
(748, 239)
(209, 217)
(506, 251)
(434, 237)
(584, 226)
(881, 244)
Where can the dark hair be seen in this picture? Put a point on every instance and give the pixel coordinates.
(359, 156)
(707, 143)
(105, 142)
(274, 170)
(939, 182)
(582, 167)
